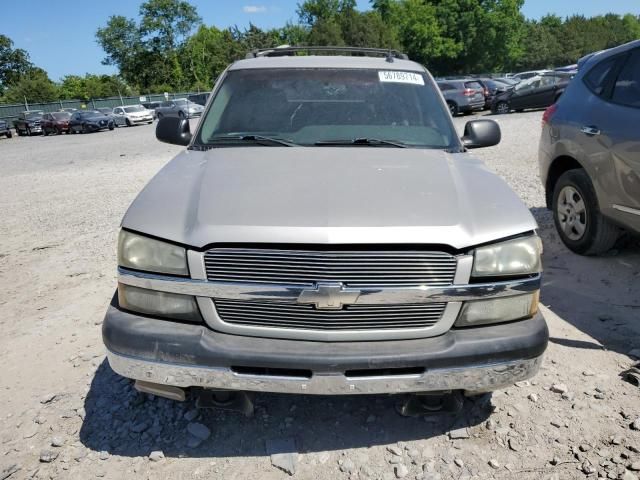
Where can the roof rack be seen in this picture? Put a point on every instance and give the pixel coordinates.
(286, 50)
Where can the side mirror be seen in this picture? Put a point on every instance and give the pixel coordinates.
(481, 133)
(173, 130)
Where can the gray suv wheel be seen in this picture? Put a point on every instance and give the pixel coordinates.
(577, 217)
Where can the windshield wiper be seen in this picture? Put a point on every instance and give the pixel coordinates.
(260, 139)
(375, 142)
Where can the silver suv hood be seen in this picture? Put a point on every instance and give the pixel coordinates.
(327, 195)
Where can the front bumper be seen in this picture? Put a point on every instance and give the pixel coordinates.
(186, 355)
(146, 119)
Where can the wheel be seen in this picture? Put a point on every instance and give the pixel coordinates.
(9, 134)
(159, 116)
(453, 108)
(111, 127)
(502, 108)
(28, 132)
(129, 123)
(45, 132)
(84, 128)
(576, 214)
(181, 114)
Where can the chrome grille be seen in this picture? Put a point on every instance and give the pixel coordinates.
(353, 268)
(306, 317)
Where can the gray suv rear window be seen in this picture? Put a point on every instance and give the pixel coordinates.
(627, 87)
(596, 78)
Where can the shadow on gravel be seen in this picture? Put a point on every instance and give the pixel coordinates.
(122, 421)
(598, 295)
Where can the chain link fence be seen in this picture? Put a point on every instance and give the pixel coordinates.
(11, 112)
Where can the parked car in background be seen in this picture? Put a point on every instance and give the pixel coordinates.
(107, 111)
(152, 106)
(462, 96)
(590, 152)
(5, 129)
(29, 122)
(199, 98)
(56, 122)
(180, 107)
(132, 115)
(69, 110)
(491, 88)
(535, 92)
(530, 74)
(89, 121)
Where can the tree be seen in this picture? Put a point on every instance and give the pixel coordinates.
(147, 53)
(92, 86)
(13, 63)
(35, 86)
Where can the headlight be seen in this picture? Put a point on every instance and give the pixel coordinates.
(498, 310)
(144, 253)
(163, 304)
(520, 256)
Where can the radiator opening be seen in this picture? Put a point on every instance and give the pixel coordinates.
(272, 372)
(384, 372)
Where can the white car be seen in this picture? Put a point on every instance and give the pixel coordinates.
(132, 115)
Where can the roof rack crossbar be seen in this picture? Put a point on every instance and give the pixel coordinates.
(389, 54)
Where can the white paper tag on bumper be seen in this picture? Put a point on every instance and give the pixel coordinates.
(401, 77)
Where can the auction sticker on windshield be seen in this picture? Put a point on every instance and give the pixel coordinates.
(401, 77)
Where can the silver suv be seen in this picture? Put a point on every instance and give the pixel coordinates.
(590, 152)
(463, 96)
(326, 232)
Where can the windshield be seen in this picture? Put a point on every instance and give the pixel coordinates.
(180, 101)
(31, 116)
(135, 108)
(61, 115)
(532, 82)
(90, 113)
(307, 106)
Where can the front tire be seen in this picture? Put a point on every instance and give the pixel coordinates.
(502, 108)
(577, 217)
(129, 123)
(453, 108)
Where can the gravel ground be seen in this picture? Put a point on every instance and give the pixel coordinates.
(65, 414)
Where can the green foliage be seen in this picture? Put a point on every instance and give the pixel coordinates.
(13, 63)
(92, 86)
(147, 53)
(34, 85)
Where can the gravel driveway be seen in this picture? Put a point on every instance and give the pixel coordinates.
(65, 414)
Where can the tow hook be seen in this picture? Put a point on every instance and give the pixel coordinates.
(234, 401)
(431, 403)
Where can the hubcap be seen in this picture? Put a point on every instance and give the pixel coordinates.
(503, 108)
(572, 213)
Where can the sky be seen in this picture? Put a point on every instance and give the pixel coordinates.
(60, 37)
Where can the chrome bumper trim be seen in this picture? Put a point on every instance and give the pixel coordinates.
(475, 379)
(290, 293)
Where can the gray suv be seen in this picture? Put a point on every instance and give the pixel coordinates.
(463, 96)
(326, 232)
(590, 152)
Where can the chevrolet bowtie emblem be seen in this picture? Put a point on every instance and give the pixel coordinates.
(328, 296)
